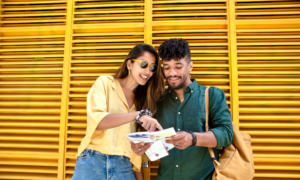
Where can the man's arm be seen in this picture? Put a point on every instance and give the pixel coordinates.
(221, 131)
(183, 140)
(220, 122)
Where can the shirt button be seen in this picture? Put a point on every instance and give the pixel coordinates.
(123, 138)
(178, 112)
(178, 129)
(176, 165)
(175, 97)
(192, 91)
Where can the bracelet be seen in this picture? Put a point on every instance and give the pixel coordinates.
(142, 112)
(194, 138)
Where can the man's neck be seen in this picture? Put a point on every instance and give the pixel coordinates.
(180, 92)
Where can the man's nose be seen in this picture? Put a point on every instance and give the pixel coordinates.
(173, 72)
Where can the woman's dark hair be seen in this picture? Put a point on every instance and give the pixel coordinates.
(174, 49)
(145, 96)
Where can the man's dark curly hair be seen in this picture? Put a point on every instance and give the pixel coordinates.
(174, 49)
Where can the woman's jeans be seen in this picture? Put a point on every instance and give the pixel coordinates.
(93, 165)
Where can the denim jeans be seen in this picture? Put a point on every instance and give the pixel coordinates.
(94, 165)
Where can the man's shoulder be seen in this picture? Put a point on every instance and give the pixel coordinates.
(214, 91)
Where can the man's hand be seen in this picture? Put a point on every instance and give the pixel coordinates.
(140, 148)
(181, 140)
(149, 123)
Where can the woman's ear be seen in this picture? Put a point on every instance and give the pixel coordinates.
(129, 64)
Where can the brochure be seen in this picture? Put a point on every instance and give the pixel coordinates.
(159, 148)
(156, 151)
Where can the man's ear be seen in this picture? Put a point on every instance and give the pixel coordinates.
(191, 66)
(129, 64)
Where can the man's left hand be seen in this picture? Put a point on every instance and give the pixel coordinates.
(181, 140)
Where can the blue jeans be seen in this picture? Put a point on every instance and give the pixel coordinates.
(94, 165)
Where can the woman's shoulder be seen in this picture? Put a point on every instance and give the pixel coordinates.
(104, 82)
(105, 79)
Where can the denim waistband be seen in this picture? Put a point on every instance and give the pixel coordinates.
(90, 151)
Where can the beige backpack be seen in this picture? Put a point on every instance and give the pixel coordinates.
(236, 160)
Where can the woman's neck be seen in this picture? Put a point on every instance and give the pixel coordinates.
(128, 84)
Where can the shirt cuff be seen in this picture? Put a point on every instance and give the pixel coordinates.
(218, 135)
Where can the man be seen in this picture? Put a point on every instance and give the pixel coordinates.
(183, 107)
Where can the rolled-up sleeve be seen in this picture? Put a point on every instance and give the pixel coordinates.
(96, 105)
(220, 122)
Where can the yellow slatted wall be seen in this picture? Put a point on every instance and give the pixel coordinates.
(268, 62)
(52, 51)
(33, 35)
(102, 35)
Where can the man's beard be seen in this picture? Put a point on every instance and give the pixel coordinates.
(179, 86)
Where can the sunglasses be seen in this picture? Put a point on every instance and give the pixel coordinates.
(144, 64)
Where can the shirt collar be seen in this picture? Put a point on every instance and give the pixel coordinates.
(113, 83)
(118, 88)
(192, 86)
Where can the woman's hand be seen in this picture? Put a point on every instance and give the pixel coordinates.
(140, 148)
(149, 123)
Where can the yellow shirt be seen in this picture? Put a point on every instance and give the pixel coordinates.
(106, 97)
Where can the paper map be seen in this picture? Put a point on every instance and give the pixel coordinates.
(159, 148)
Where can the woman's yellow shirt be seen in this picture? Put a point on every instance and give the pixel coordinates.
(107, 97)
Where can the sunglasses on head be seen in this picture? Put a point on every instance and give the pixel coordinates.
(144, 64)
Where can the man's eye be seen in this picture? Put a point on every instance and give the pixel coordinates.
(179, 67)
(166, 68)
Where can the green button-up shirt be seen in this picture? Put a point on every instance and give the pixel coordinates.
(193, 163)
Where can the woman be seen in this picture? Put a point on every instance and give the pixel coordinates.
(112, 105)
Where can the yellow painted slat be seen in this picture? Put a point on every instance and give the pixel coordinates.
(29, 49)
(32, 37)
(32, 2)
(186, 1)
(189, 14)
(188, 8)
(28, 169)
(112, 11)
(34, 8)
(269, 6)
(27, 176)
(106, 18)
(269, 117)
(34, 21)
(36, 14)
(191, 37)
(110, 5)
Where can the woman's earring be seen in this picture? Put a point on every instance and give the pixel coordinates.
(128, 72)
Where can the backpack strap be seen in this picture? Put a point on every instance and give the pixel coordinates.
(211, 152)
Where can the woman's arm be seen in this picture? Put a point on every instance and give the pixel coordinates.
(139, 175)
(115, 120)
(100, 117)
